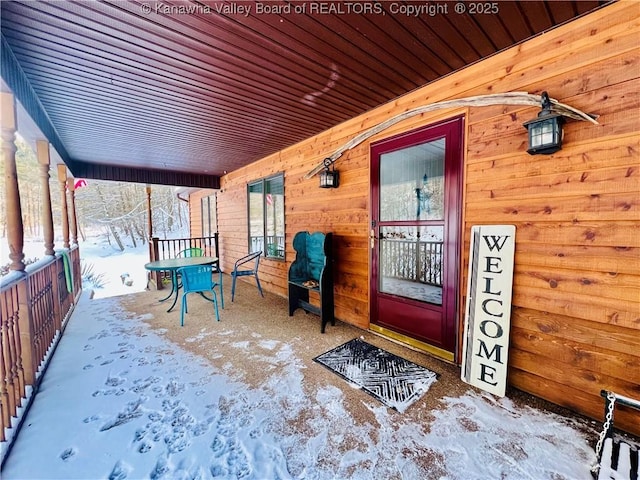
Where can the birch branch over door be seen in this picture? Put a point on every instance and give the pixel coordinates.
(488, 313)
(509, 98)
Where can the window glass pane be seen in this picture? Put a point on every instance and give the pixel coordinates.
(209, 222)
(266, 216)
(204, 209)
(411, 260)
(256, 216)
(274, 204)
(213, 219)
(412, 183)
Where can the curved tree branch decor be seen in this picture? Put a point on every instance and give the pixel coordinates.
(510, 98)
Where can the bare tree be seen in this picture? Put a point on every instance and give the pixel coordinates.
(113, 209)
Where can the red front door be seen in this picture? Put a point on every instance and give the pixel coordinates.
(415, 233)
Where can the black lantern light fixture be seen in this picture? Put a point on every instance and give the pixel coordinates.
(545, 131)
(329, 178)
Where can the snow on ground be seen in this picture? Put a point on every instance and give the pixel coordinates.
(113, 264)
(104, 259)
(119, 401)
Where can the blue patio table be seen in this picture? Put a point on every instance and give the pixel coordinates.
(173, 264)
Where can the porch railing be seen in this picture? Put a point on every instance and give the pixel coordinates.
(35, 306)
(169, 248)
(274, 248)
(411, 260)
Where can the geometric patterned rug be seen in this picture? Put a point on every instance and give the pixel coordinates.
(396, 382)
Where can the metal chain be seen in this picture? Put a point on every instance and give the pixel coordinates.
(611, 397)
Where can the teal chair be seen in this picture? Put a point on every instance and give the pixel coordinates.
(190, 252)
(198, 279)
(246, 266)
(198, 252)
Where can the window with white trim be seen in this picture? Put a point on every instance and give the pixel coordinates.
(209, 218)
(266, 216)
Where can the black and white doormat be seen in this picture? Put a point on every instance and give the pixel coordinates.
(396, 382)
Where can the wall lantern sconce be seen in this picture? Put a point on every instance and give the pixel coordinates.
(545, 131)
(329, 178)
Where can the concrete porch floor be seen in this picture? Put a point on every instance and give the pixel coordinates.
(328, 435)
(251, 318)
(233, 344)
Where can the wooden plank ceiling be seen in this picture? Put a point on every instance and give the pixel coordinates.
(205, 87)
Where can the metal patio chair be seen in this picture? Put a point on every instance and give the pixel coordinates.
(199, 252)
(199, 279)
(240, 270)
(190, 252)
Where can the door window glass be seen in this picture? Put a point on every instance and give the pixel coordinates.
(412, 183)
(411, 259)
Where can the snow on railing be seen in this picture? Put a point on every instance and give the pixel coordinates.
(34, 307)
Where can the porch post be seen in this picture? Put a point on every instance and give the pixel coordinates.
(15, 228)
(149, 219)
(25, 367)
(62, 178)
(155, 277)
(73, 218)
(44, 161)
(42, 147)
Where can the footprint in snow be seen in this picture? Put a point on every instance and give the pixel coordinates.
(237, 461)
(160, 470)
(157, 431)
(218, 446)
(156, 416)
(114, 381)
(218, 471)
(132, 411)
(120, 471)
(145, 447)
(87, 367)
(90, 419)
(170, 405)
(111, 391)
(177, 441)
(68, 454)
(174, 388)
(200, 429)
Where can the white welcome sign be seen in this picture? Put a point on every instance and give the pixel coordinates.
(488, 312)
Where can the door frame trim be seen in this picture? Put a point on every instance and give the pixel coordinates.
(454, 231)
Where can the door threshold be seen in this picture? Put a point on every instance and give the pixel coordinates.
(412, 342)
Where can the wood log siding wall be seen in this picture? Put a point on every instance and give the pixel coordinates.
(576, 301)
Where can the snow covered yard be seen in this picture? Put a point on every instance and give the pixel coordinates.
(132, 395)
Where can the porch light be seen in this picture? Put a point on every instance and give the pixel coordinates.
(545, 131)
(329, 178)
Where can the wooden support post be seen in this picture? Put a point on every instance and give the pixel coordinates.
(42, 147)
(73, 218)
(155, 256)
(149, 213)
(44, 161)
(62, 178)
(25, 353)
(15, 229)
(151, 276)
